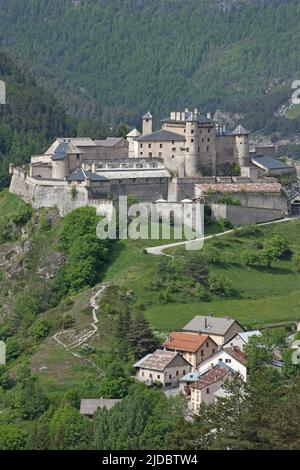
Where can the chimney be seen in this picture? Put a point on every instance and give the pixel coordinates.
(205, 323)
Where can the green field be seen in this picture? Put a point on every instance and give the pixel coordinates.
(267, 294)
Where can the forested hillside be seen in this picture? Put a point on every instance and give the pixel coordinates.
(30, 119)
(116, 59)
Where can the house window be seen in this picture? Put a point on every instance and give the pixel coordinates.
(183, 373)
(173, 142)
(142, 374)
(207, 344)
(208, 130)
(207, 391)
(160, 155)
(173, 149)
(161, 146)
(141, 145)
(198, 149)
(141, 153)
(78, 156)
(158, 376)
(207, 148)
(173, 156)
(177, 373)
(150, 375)
(150, 154)
(170, 377)
(208, 140)
(192, 140)
(187, 149)
(149, 145)
(202, 352)
(220, 360)
(192, 131)
(228, 361)
(213, 350)
(202, 139)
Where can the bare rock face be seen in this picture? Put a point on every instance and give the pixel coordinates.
(51, 265)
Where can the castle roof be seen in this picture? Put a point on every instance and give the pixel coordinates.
(161, 136)
(109, 142)
(82, 175)
(191, 118)
(269, 163)
(240, 130)
(133, 133)
(147, 116)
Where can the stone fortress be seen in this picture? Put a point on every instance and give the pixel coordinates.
(191, 156)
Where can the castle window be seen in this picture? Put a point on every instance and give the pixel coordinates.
(78, 156)
(192, 131)
(150, 154)
(207, 391)
(161, 146)
(173, 156)
(192, 140)
(207, 148)
(209, 130)
(173, 142)
(141, 145)
(208, 140)
(187, 149)
(159, 155)
(202, 139)
(149, 145)
(198, 149)
(141, 153)
(173, 149)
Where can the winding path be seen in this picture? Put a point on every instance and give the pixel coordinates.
(158, 250)
(86, 335)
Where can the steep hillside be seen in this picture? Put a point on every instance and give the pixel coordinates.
(30, 119)
(118, 58)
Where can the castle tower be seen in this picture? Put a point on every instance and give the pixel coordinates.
(133, 145)
(191, 144)
(241, 148)
(147, 123)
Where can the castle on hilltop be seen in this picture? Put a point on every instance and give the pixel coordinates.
(191, 144)
(190, 156)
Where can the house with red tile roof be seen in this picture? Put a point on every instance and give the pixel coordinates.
(194, 348)
(203, 391)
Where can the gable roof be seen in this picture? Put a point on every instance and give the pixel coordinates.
(240, 130)
(269, 163)
(161, 135)
(82, 175)
(109, 141)
(90, 406)
(211, 376)
(236, 354)
(133, 133)
(209, 325)
(61, 151)
(148, 115)
(158, 360)
(180, 341)
(245, 335)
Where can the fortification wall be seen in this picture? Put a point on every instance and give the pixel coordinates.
(55, 194)
(239, 215)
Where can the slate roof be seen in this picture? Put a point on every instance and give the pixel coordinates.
(147, 116)
(108, 142)
(161, 136)
(89, 407)
(81, 175)
(185, 341)
(240, 187)
(61, 151)
(240, 130)
(209, 325)
(269, 163)
(201, 119)
(245, 335)
(211, 376)
(190, 377)
(158, 360)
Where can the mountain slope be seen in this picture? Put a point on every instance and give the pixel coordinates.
(30, 119)
(127, 56)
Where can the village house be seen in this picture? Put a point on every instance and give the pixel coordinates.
(232, 357)
(162, 366)
(203, 391)
(242, 338)
(220, 330)
(193, 347)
